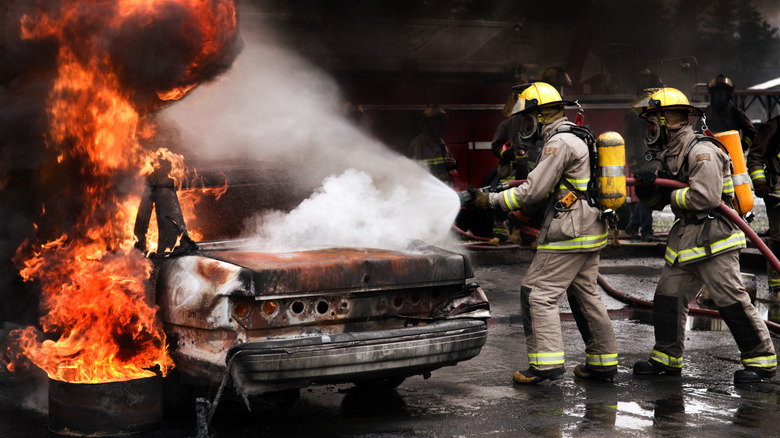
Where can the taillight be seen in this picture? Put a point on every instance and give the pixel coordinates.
(269, 307)
(241, 310)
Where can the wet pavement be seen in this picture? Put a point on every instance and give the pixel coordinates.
(477, 398)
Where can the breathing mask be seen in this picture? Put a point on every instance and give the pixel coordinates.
(528, 126)
(656, 136)
(528, 130)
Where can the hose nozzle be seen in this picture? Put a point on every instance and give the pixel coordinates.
(466, 199)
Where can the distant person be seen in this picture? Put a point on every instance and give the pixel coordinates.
(354, 113)
(763, 163)
(429, 148)
(640, 224)
(724, 115)
(512, 164)
(557, 77)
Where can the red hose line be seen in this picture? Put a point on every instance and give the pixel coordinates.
(728, 212)
(668, 183)
(734, 217)
(631, 300)
(469, 235)
(478, 247)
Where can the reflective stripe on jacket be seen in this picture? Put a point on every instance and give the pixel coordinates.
(763, 160)
(434, 153)
(699, 233)
(564, 155)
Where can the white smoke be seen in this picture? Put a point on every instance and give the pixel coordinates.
(350, 210)
(275, 107)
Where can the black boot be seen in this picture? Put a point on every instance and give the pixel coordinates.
(654, 368)
(586, 372)
(752, 375)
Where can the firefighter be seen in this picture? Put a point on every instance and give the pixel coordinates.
(555, 76)
(505, 171)
(570, 241)
(354, 113)
(641, 220)
(723, 115)
(430, 148)
(763, 163)
(702, 247)
(512, 165)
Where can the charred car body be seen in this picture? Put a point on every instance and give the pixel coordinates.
(281, 321)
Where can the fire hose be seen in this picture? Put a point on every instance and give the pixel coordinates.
(729, 213)
(628, 299)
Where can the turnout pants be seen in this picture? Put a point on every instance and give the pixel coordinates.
(548, 277)
(680, 284)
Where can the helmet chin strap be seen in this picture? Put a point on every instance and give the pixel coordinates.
(539, 124)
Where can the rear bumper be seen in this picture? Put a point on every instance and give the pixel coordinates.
(272, 365)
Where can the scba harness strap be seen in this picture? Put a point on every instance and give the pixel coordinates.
(591, 193)
(682, 176)
(684, 167)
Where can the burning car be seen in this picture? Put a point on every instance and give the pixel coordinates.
(281, 321)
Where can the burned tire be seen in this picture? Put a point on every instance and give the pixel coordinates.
(385, 383)
(178, 397)
(282, 399)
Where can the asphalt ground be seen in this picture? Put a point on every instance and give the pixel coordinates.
(477, 398)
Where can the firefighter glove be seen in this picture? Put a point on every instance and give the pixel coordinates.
(761, 189)
(450, 164)
(481, 199)
(746, 143)
(507, 155)
(665, 194)
(653, 197)
(646, 177)
(645, 193)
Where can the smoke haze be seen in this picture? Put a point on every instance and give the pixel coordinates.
(275, 107)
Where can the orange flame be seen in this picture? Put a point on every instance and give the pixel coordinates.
(100, 322)
(96, 304)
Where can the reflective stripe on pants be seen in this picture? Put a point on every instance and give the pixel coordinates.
(549, 276)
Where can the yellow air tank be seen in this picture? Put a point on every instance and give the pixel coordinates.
(743, 195)
(611, 169)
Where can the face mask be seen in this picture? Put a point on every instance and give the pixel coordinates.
(655, 137)
(527, 130)
(527, 126)
(720, 98)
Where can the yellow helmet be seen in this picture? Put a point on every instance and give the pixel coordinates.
(537, 95)
(666, 99)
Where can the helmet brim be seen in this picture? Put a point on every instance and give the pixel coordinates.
(521, 108)
(691, 110)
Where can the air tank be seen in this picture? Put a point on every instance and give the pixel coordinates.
(743, 195)
(611, 169)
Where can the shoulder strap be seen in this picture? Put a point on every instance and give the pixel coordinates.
(580, 131)
(585, 134)
(703, 138)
